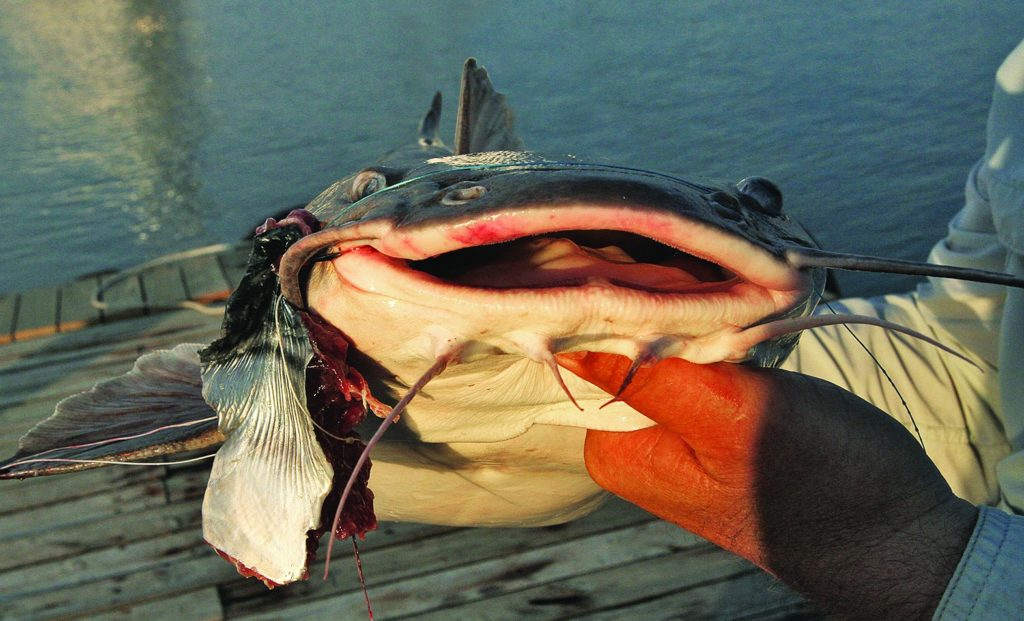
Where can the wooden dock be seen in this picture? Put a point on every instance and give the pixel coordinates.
(122, 543)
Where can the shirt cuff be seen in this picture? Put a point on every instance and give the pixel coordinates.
(989, 581)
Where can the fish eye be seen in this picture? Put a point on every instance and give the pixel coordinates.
(763, 195)
(366, 183)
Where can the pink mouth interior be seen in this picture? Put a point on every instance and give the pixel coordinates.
(575, 258)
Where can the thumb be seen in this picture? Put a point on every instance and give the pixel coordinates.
(710, 405)
(695, 467)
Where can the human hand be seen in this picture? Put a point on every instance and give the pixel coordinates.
(806, 480)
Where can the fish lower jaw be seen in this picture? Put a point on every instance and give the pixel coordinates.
(369, 289)
(498, 398)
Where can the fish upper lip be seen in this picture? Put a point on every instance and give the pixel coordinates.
(369, 271)
(373, 259)
(750, 262)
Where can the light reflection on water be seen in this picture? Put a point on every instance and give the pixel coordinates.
(102, 99)
(136, 128)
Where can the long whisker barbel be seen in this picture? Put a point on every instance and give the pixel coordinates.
(799, 257)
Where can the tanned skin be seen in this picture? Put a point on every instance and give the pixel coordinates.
(807, 481)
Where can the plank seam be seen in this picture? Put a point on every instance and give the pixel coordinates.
(184, 282)
(14, 316)
(142, 293)
(59, 304)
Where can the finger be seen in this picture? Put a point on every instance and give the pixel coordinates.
(709, 405)
(657, 470)
(652, 467)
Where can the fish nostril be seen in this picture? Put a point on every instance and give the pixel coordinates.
(366, 183)
(726, 206)
(458, 196)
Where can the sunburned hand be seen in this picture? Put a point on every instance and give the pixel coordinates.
(806, 480)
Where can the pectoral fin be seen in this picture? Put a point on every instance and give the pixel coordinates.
(155, 409)
(271, 477)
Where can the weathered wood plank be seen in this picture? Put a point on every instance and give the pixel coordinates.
(104, 563)
(17, 496)
(53, 493)
(198, 605)
(386, 560)
(204, 279)
(749, 595)
(177, 483)
(390, 539)
(37, 313)
(76, 309)
(11, 430)
(189, 482)
(118, 501)
(38, 392)
(184, 568)
(459, 582)
(164, 286)
(52, 374)
(48, 369)
(122, 298)
(110, 335)
(210, 568)
(130, 523)
(612, 588)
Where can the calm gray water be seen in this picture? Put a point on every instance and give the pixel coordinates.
(133, 129)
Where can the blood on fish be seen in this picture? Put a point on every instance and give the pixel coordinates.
(440, 364)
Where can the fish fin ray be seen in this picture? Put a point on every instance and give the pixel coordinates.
(429, 126)
(156, 408)
(485, 120)
(270, 478)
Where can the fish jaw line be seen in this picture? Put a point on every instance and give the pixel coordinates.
(705, 241)
(595, 315)
(404, 318)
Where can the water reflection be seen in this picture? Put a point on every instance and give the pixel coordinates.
(133, 128)
(105, 95)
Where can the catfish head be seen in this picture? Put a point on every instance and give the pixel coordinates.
(506, 259)
(459, 275)
(489, 262)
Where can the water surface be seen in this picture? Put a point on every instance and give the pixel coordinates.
(133, 129)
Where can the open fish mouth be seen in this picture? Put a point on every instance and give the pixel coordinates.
(574, 258)
(577, 258)
(628, 272)
(596, 266)
(510, 265)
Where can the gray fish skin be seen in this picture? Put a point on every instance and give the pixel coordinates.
(528, 180)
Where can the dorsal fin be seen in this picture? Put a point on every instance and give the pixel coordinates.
(430, 124)
(485, 121)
